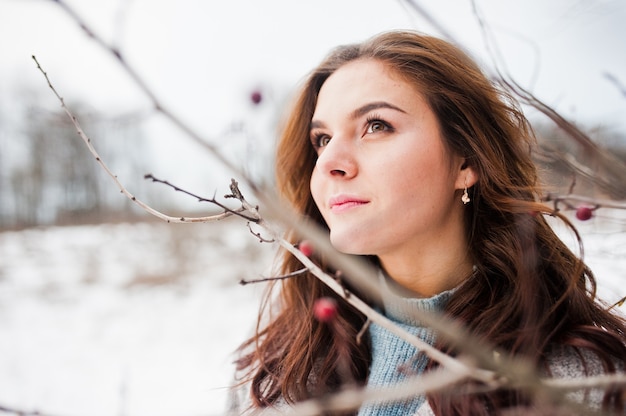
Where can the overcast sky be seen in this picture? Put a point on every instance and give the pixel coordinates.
(203, 57)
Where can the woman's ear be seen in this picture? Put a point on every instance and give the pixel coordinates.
(466, 177)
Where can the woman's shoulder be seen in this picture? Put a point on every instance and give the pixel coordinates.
(566, 362)
(574, 362)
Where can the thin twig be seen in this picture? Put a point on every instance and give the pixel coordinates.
(238, 212)
(616, 82)
(298, 272)
(104, 166)
(605, 203)
(362, 331)
(573, 384)
(21, 412)
(618, 304)
(353, 398)
(259, 236)
(143, 86)
(615, 167)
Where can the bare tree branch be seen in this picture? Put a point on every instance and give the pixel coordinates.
(606, 203)
(353, 398)
(298, 272)
(603, 381)
(143, 86)
(240, 212)
(104, 166)
(21, 412)
(616, 82)
(615, 167)
(430, 19)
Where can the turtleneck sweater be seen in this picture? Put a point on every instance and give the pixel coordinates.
(394, 359)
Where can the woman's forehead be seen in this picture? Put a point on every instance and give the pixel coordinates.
(364, 84)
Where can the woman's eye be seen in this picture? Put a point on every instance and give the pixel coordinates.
(321, 141)
(376, 126)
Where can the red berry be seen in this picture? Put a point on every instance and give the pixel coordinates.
(325, 309)
(584, 213)
(306, 247)
(256, 97)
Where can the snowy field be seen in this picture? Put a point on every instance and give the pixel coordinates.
(141, 319)
(125, 319)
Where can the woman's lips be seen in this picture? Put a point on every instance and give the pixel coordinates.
(342, 203)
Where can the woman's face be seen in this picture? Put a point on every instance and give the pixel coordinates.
(384, 180)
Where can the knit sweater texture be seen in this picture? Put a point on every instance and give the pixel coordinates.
(393, 358)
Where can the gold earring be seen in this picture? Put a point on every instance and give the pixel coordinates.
(465, 197)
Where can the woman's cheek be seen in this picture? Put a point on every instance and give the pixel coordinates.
(315, 188)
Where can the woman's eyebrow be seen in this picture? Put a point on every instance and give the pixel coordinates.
(316, 124)
(361, 111)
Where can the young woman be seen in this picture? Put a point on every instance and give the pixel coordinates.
(405, 152)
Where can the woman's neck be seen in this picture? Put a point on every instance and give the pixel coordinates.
(428, 273)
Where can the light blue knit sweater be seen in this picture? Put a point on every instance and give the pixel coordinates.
(393, 359)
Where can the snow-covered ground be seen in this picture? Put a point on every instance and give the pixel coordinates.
(128, 319)
(141, 319)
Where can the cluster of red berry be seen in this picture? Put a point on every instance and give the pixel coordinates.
(325, 308)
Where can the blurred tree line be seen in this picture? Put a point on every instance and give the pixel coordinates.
(594, 169)
(48, 176)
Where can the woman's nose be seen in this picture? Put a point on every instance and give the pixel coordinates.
(338, 159)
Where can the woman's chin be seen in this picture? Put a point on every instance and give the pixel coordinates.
(348, 245)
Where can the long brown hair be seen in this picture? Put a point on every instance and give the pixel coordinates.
(529, 291)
